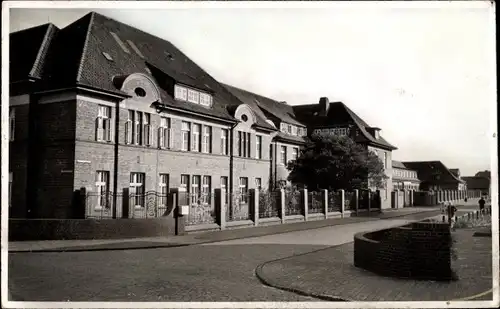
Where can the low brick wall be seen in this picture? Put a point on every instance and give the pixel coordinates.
(58, 229)
(420, 250)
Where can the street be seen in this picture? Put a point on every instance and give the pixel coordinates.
(222, 271)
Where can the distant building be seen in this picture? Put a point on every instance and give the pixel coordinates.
(434, 175)
(404, 178)
(478, 183)
(484, 174)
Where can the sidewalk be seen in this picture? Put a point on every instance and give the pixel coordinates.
(209, 237)
(330, 274)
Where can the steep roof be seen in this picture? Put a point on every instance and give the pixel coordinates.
(398, 164)
(248, 98)
(475, 182)
(338, 114)
(77, 59)
(27, 52)
(428, 168)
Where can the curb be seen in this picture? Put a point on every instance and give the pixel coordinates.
(170, 245)
(259, 274)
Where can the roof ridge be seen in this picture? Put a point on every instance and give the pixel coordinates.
(50, 29)
(85, 44)
(255, 94)
(34, 27)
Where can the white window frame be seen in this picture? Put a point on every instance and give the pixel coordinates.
(148, 133)
(102, 188)
(205, 99)
(129, 129)
(180, 93)
(243, 189)
(196, 137)
(206, 187)
(385, 160)
(12, 123)
(258, 146)
(283, 155)
(283, 127)
(195, 188)
(103, 124)
(258, 183)
(163, 186)
(224, 139)
(185, 182)
(186, 135)
(206, 143)
(193, 96)
(138, 188)
(295, 153)
(165, 135)
(294, 130)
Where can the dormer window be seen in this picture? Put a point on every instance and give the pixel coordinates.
(283, 127)
(140, 92)
(193, 96)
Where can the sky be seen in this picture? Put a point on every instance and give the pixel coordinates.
(422, 74)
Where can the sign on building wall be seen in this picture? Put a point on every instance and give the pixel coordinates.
(331, 132)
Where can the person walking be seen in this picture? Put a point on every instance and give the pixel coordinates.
(481, 204)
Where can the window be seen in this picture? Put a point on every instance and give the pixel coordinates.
(243, 189)
(196, 137)
(283, 127)
(294, 130)
(385, 160)
(258, 147)
(11, 176)
(140, 92)
(186, 128)
(295, 153)
(193, 96)
(238, 144)
(184, 183)
(224, 139)
(206, 189)
(206, 145)
(137, 189)
(195, 189)
(103, 124)
(180, 93)
(258, 183)
(12, 123)
(163, 185)
(205, 99)
(148, 138)
(283, 155)
(223, 189)
(134, 127)
(243, 143)
(304, 131)
(164, 133)
(102, 188)
(289, 129)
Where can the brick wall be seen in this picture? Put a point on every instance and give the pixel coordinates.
(420, 250)
(24, 230)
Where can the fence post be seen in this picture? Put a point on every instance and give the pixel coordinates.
(325, 202)
(282, 205)
(342, 202)
(356, 200)
(220, 208)
(305, 203)
(180, 220)
(254, 205)
(369, 197)
(126, 203)
(412, 198)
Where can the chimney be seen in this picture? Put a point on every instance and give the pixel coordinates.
(324, 105)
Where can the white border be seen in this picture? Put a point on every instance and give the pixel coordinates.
(191, 5)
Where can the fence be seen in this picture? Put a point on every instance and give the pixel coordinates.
(239, 209)
(364, 199)
(292, 203)
(350, 201)
(201, 208)
(334, 202)
(315, 203)
(269, 204)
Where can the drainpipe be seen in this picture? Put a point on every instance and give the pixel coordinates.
(231, 165)
(115, 163)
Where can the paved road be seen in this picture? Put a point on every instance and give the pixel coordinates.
(221, 271)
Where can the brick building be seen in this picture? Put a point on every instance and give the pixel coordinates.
(104, 106)
(434, 175)
(404, 178)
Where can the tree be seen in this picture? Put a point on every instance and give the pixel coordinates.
(337, 162)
